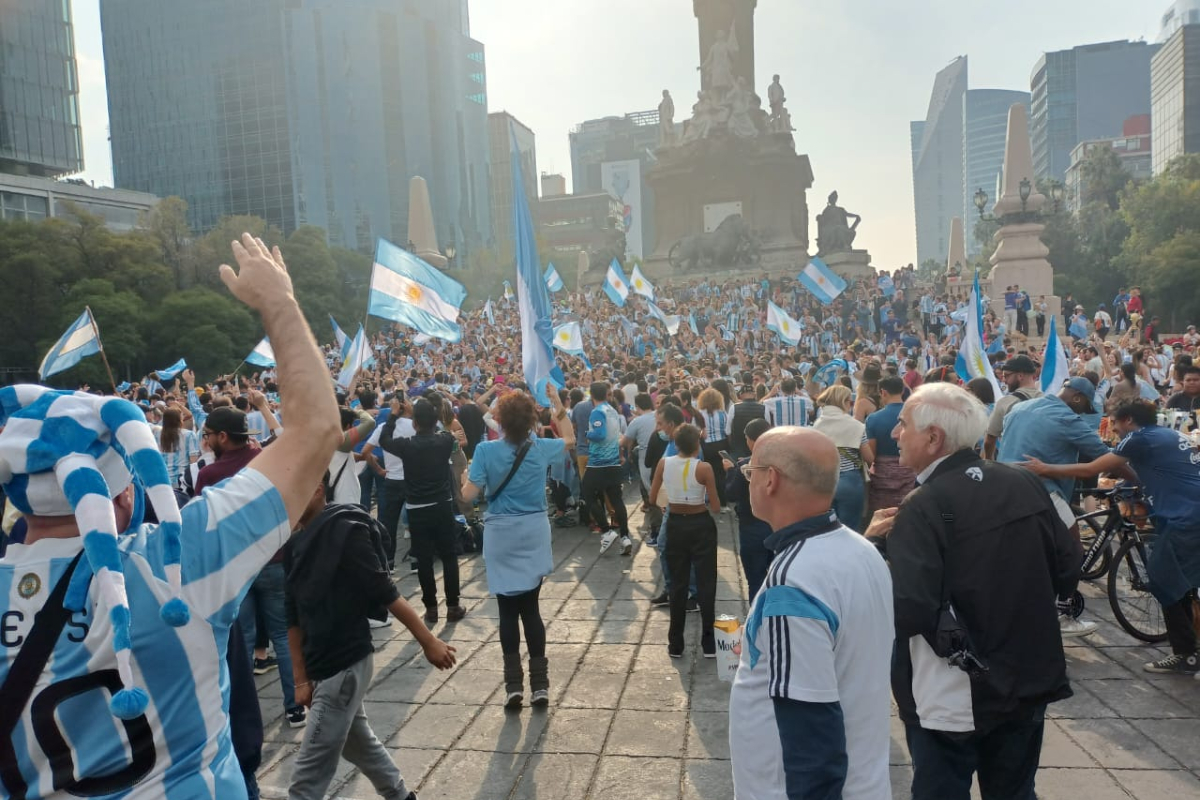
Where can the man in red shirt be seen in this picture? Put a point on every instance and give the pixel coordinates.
(227, 434)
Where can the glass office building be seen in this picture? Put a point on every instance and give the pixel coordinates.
(39, 90)
(1175, 96)
(302, 112)
(985, 128)
(937, 155)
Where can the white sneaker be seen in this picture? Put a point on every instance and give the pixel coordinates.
(626, 545)
(406, 536)
(606, 541)
(1072, 628)
(376, 623)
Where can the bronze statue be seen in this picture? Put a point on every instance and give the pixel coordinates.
(666, 120)
(730, 245)
(835, 232)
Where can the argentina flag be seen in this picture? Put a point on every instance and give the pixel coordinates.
(79, 341)
(787, 328)
(822, 282)
(487, 311)
(569, 339)
(339, 336)
(1056, 364)
(170, 372)
(640, 284)
(262, 355)
(972, 361)
(554, 281)
(887, 285)
(405, 289)
(692, 323)
(615, 285)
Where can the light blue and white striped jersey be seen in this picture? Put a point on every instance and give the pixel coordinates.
(177, 460)
(789, 409)
(181, 747)
(716, 425)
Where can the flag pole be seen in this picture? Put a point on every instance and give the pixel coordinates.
(103, 357)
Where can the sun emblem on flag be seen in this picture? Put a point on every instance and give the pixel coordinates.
(786, 326)
(413, 293)
(637, 282)
(565, 336)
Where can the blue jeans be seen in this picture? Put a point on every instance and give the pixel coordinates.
(662, 560)
(850, 497)
(756, 558)
(370, 483)
(266, 594)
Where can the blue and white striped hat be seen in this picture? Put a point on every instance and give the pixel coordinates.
(67, 453)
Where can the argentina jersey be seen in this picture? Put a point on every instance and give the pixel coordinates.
(604, 437)
(66, 742)
(790, 409)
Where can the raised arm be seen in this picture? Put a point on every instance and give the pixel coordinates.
(298, 458)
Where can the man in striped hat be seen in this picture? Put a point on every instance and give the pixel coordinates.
(113, 656)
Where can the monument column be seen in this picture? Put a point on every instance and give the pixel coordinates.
(721, 15)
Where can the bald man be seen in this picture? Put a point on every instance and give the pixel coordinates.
(817, 647)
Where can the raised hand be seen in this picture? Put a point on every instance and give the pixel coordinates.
(261, 281)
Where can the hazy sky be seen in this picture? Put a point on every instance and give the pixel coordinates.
(856, 73)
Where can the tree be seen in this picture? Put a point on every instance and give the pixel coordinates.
(1104, 176)
(211, 250)
(314, 274)
(118, 317)
(1173, 274)
(180, 327)
(167, 225)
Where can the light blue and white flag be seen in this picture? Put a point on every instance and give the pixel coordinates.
(487, 311)
(569, 339)
(124, 386)
(1078, 327)
(405, 289)
(640, 284)
(996, 345)
(787, 328)
(167, 375)
(355, 360)
(827, 373)
(263, 355)
(626, 325)
(887, 285)
(79, 341)
(1056, 363)
(615, 285)
(533, 298)
(822, 282)
(972, 361)
(553, 280)
(339, 336)
(508, 292)
(692, 323)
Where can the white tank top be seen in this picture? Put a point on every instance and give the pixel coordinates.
(679, 481)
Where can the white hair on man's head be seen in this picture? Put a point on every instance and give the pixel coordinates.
(953, 410)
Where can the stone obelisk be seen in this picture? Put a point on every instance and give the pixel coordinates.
(958, 248)
(420, 224)
(1020, 257)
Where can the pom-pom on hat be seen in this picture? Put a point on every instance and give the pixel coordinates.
(71, 453)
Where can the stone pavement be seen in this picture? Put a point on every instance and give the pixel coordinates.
(626, 721)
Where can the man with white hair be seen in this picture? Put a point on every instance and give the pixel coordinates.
(979, 555)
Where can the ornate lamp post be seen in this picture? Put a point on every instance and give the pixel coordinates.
(450, 253)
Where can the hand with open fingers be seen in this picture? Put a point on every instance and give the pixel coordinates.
(1034, 465)
(881, 523)
(261, 280)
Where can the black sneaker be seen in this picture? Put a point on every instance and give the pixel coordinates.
(708, 644)
(264, 665)
(663, 599)
(1175, 665)
(296, 717)
(693, 604)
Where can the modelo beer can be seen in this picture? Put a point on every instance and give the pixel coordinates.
(728, 634)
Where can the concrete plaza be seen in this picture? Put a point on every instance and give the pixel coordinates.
(626, 721)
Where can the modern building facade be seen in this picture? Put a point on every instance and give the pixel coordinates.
(503, 130)
(1133, 148)
(1085, 93)
(575, 223)
(609, 141)
(1181, 12)
(39, 89)
(985, 127)
(1175, 94)
(937, 147)
(28, 198)
(553, 185)
(302, 112)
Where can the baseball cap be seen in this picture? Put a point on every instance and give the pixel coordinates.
(1020, 364)
(1081, 385)
(746, 388)
(227, 420)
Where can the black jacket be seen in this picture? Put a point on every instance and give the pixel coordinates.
(990, 533)
(743, 413)
(336, 578)
(426, 459)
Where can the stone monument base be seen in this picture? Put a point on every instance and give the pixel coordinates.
(852, 265)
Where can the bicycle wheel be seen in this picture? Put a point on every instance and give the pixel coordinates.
(1134, 607)
(1091, 528)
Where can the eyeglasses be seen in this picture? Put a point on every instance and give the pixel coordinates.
(206, 434)
(750, 469)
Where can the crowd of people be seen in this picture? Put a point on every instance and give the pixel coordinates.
(931, 511)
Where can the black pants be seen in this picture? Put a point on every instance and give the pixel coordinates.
(391, 503)
(1180, 633)
(691, 542)
(1041, 325)
(712, 454)
(600, 483)
(1005, 758)
(1022, 322)
(433, 529)
(517, 611)
(756, 556)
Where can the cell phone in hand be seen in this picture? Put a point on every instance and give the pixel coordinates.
(725, 455)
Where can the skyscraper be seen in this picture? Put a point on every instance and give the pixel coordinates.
(937, 146)
(1175, 95)
(499, 126)
(985, 125)
(302, 112)
(1085, 93)
(39, 89)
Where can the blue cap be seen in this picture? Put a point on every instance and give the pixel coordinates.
(1083, 386)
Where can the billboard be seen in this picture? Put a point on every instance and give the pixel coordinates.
(623, 180)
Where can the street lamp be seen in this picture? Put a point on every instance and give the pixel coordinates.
(450, 253)
(1057, 193)
(1024, 188)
